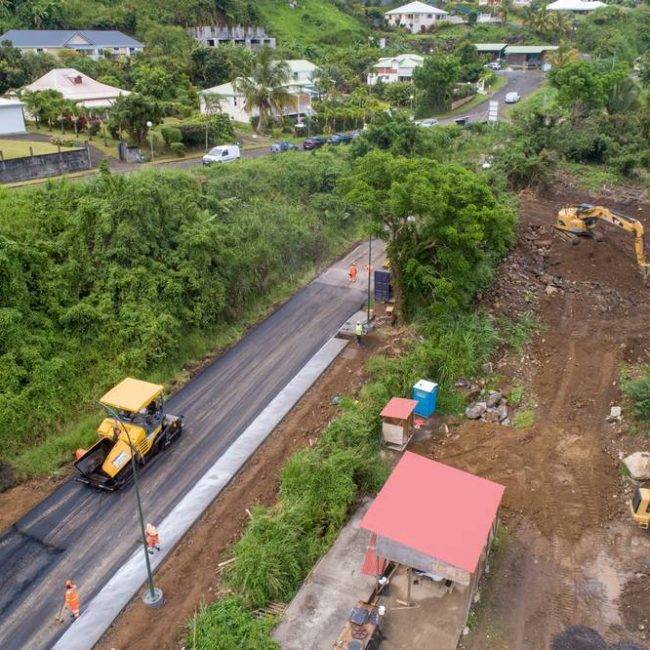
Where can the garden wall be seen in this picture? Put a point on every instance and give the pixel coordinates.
(44, 165)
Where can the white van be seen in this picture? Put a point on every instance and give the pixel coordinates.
(222, 154)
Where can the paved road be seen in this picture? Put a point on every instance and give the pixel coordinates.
(86, 535)
(523, 82)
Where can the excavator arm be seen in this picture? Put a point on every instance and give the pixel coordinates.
(583, 218)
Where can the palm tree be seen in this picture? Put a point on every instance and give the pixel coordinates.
(266, 88)
(558, 23)
(505, 8)
(564, 55)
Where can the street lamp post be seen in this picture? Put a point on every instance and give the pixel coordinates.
(149, 125)
(369, 272)
(153, 597)
(411, 100)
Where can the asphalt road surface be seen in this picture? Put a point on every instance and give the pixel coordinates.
(86, 535)
(522, 81)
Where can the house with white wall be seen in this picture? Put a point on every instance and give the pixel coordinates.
(415, 16)
(90, 42)
(227, 98)
(390, 69)
(575, 6)
(12, 119)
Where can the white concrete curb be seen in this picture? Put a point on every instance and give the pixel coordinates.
(126, 582)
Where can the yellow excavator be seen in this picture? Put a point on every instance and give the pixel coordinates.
(136, 427)
(581, 220)
(640, 506)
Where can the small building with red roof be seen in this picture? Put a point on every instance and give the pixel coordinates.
(433, 518)
(397, 421)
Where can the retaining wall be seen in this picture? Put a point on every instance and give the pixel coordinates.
(44, 165)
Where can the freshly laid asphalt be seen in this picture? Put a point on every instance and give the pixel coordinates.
(85, 535)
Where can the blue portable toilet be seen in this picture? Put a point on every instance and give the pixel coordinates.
(425, 393)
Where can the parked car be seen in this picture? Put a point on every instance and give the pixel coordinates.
(315, 142)
(224, 153)
(340, 138)
(429, 122)
(512, 98)
(493, 65)
(280, 147)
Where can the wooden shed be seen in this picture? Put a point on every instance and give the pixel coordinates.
(397, 421)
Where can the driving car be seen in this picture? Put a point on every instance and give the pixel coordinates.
(314, 142)
(224, 153)
(512, 98)
(280, 147)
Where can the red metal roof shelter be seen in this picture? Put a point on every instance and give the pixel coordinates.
(435, 509)
(398, 408)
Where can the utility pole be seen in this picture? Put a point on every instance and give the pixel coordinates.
(369, 272)
(153, 597)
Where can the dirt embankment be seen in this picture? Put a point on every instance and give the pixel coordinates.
(572, 554)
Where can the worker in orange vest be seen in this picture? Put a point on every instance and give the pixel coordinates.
(153, 538)
(352, 273)
(72, 598)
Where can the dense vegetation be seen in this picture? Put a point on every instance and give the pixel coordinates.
(109, 277)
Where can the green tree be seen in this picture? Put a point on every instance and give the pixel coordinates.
(154, 81)
(131, 113)
(579, 85)
(442, 225)
(265, 90)
(435, 80)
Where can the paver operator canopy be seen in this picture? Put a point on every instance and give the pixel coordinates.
(136, 425)
(581, 219)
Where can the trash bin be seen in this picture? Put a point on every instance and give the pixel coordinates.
(425, 393)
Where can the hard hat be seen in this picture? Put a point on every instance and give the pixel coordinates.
(150, 528)
(358, 322)
(68, 584)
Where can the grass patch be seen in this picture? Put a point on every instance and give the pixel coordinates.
(523, 419)
(312, 21)
(636, 388)
(516, 333)
(20, 148)
(516, 395)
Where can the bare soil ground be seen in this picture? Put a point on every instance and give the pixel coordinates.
(190, 575)
(572, 554)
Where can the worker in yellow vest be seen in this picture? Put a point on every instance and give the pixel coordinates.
(358, 332)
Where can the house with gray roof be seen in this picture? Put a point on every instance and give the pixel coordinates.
(91, 42)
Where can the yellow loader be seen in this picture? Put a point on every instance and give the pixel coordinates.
(136, 425)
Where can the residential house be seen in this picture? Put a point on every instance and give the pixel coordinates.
(575, 6)
(92, 43)
(77, 87)
(527, 56)
(394, 68)
(230, 100)
(252, 38)
(415, 16)
(12, 119)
